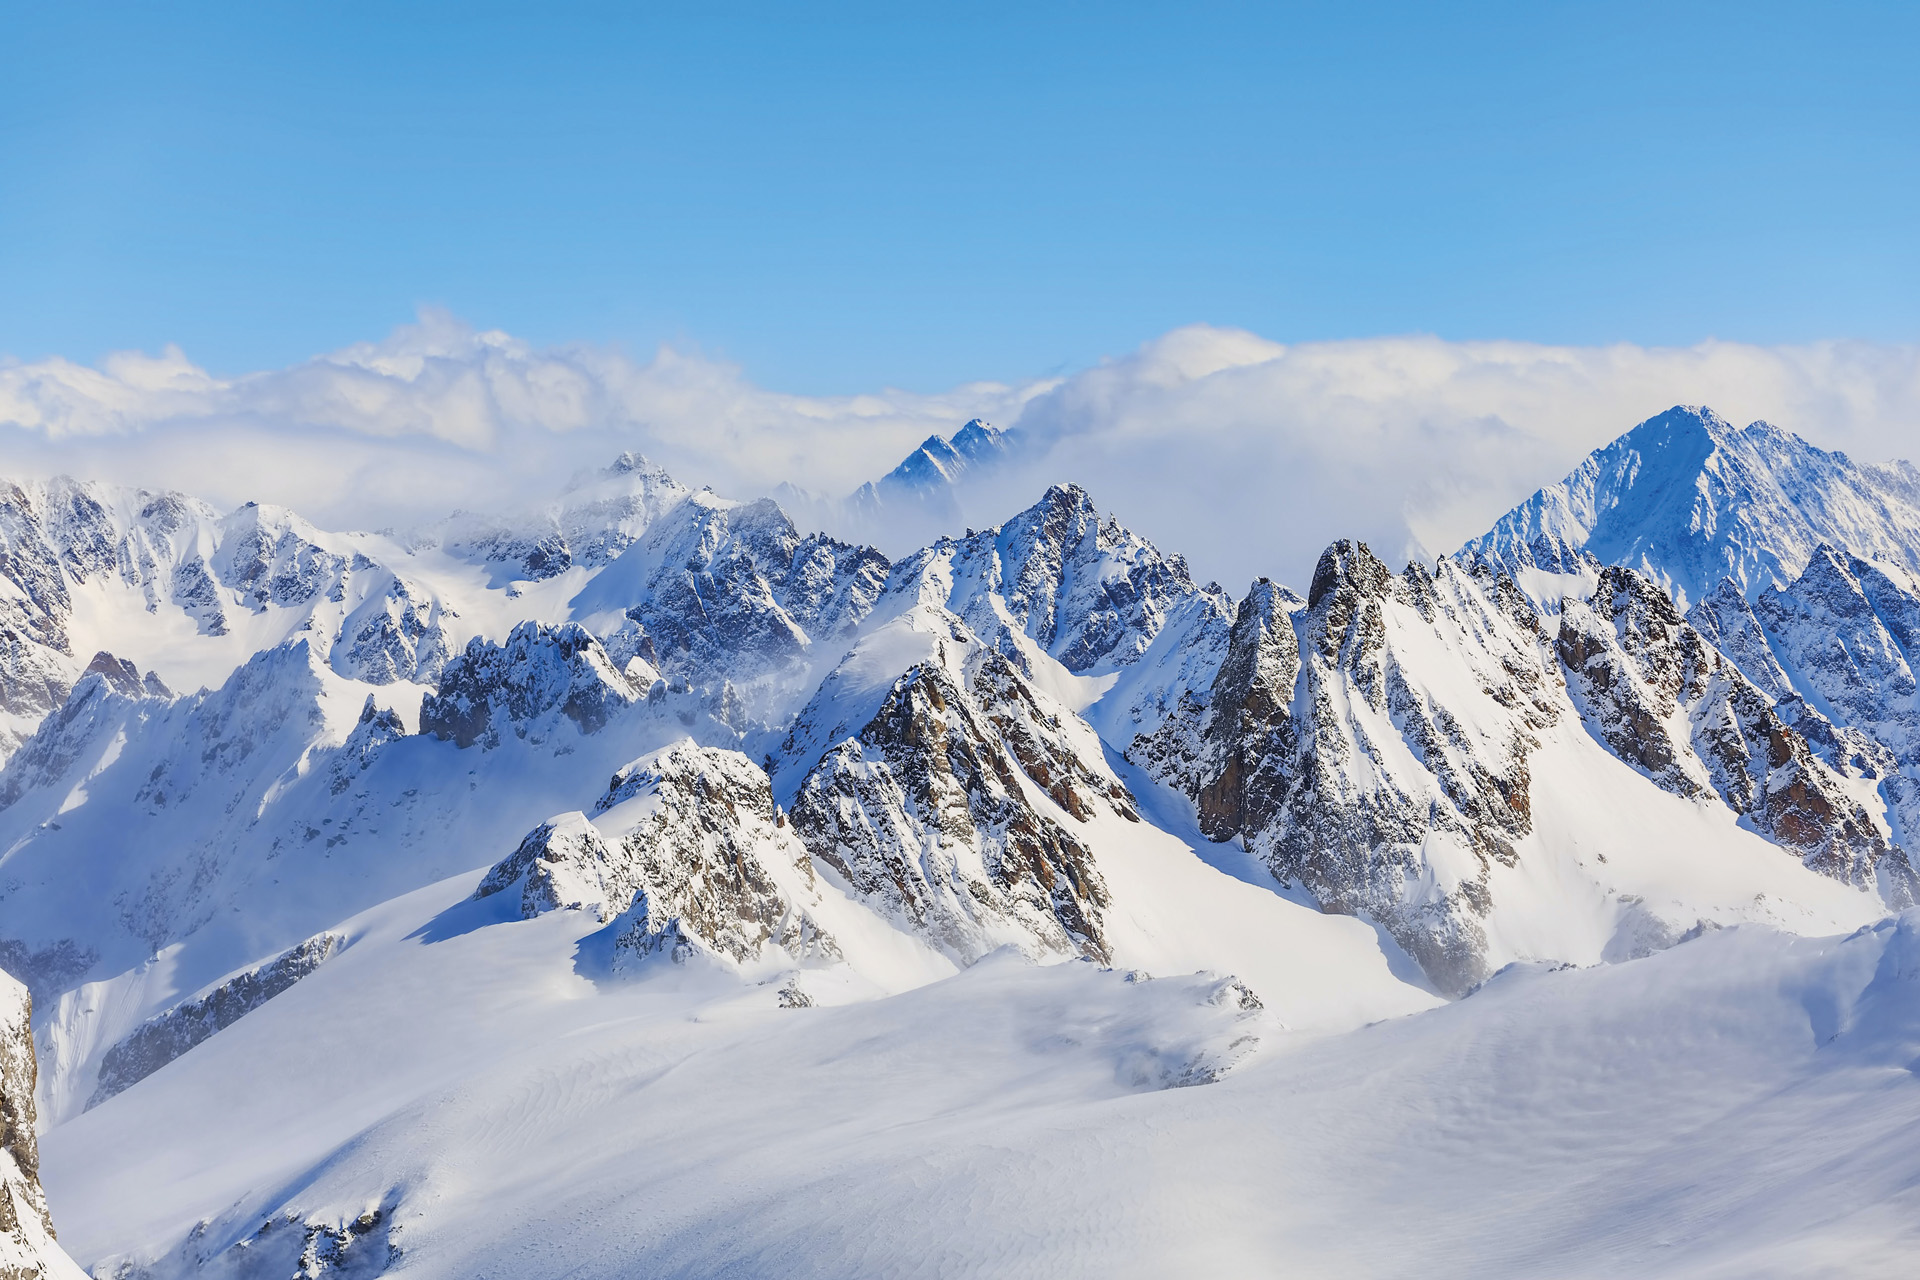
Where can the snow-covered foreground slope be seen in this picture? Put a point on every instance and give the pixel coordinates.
(452, 1098)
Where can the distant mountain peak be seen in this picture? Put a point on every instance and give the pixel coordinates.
(939, 463)
(1689, 499)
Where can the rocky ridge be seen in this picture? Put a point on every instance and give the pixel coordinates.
(165, 1037)
(1330, 745)
(723, 589)
(28, 1249)
(1662, 699)
(685, 852)
(954, 806)
(1087, 591)
(378, 608)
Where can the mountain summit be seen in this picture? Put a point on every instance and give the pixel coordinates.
(1688, 499)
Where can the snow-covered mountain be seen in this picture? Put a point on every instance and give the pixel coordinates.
(928, 475)
(380, 879)
(189, 595)
(1799, 566)
(1688, 499)
(928, 495)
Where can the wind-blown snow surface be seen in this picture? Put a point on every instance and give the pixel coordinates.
(460, 1100)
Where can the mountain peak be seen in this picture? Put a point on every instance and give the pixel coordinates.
(1347, 561)
(1688, 499)
(939, 463)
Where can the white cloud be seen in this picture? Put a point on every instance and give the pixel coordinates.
(1253, 456)
(439, 415)
(1248, 455)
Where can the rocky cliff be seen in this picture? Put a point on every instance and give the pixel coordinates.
(28, 1250)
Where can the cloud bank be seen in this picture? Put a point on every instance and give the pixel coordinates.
(1247, 455)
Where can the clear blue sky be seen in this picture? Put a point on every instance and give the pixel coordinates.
(841, 197)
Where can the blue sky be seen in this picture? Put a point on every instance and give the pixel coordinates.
(845, 197)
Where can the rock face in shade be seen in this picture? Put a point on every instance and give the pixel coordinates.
(162, 1039)
(28, 1249)
(1667, 702)
(1334, 744)
(538, 675)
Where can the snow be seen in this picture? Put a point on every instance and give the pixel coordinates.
(1605, 842)
(1739, 1104)
(1691, 499)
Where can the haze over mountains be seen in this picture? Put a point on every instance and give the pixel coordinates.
(1411, 444)
(529, 893)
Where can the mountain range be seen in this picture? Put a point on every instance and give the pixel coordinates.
(640, 876)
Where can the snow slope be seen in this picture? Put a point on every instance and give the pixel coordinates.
(1741, 1104)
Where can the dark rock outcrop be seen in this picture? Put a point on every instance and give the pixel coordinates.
(1324, 748)
(166, 1036)
(539, 672)
(931, 812)
(1664, 700)
(28, 1250)
(685, 853)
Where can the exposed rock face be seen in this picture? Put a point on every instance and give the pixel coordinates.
(1341, 743)
(1375, 791)
(161, 1039)
(1087, 591)
(1248, 739)
(1665, 701)
(394, 635)
(1848, 632)
(564, 864)
(684, 851)
(540, 671)
(50, 535)
(28, 1250)
(1828, 629)
(945, 810)
(1726, 620)
(124, 678)
(62, 737)
(287, 1245)
(735, 590)
(600, 515)
(222, 734)
(1688, 499)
